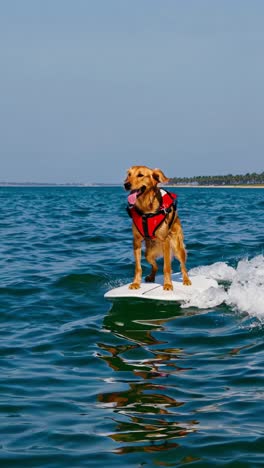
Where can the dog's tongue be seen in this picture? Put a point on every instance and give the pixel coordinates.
(132, 197)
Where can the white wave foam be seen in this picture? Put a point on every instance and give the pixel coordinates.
(219, 271)
(211, 297)
(247, 289)
(245, 292)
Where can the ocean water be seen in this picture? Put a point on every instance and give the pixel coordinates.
(89, 383)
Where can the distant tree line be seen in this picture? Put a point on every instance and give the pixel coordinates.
(229, 179)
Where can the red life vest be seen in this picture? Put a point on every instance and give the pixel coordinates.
(148, 223)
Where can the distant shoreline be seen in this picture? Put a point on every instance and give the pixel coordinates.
(41, 185)
(217, 186)
(14, 185)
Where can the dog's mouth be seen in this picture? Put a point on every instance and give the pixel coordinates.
(134, 194)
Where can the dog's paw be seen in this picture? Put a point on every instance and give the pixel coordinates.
(134, 286)
(168, 287)
(187, 282)
(150, 279)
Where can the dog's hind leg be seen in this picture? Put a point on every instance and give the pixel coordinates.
(153, 250)
(178, 248)
(151, 259)
(167, 286)
(180, 254)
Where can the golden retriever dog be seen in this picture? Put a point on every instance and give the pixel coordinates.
(155, 220)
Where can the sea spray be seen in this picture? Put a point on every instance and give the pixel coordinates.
(244, 291)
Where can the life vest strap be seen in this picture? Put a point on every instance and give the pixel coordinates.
(148, 223)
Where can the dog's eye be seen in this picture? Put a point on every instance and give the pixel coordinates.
(140, 175)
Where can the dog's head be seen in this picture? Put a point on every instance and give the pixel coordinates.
(140, 178)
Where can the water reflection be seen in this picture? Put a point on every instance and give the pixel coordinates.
(136, 320)
(147, 416)
(147, 368)
(141, 398)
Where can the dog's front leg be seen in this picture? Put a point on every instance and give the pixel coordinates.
(138, 270)
(167, 265)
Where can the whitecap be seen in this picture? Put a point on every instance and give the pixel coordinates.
(245, 292)
(211, 297)
(219, 271)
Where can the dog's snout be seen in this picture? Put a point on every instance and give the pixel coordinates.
(127, 185)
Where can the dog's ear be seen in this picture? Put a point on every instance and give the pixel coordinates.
(158, 176)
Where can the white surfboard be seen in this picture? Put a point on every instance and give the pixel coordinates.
(156, 292)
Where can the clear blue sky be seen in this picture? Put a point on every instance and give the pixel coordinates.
(90, 87)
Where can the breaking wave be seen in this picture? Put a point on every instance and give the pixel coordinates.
(241, 288)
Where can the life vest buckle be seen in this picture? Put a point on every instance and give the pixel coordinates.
(165, 210)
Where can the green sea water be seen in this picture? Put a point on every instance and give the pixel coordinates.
(88, 383)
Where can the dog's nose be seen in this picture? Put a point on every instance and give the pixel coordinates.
(127, 185)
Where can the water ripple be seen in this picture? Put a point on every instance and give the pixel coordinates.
(88, 383)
